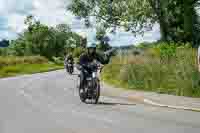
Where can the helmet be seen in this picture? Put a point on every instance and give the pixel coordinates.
(82, 34)
(91, 45)
(91, 48)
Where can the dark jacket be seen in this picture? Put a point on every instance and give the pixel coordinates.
(69, 57)
(85, 59)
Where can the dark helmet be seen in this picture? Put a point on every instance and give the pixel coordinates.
(70, 54)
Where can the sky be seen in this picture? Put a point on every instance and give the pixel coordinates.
(53, 12)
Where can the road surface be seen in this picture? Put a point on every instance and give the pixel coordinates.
(49, 103)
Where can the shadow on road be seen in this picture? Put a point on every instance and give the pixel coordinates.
(75, 74)
(114, 103)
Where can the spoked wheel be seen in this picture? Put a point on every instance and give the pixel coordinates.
(96, 93)
(70, 70)
(82, 95)
(66, 69)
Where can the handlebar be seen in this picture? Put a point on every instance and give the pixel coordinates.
(91, 66)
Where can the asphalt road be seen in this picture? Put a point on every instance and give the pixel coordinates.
(49, 103)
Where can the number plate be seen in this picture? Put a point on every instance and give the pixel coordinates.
(94, 74)
(89, 78)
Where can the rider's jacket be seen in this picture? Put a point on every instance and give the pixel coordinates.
(68, 58)
(85, 59)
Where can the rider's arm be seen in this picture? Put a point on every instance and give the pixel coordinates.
(100, 59)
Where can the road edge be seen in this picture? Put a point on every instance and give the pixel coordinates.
(148, 101)
(145, 100)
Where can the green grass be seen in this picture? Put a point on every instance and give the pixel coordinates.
(20, 69)
(175, 75)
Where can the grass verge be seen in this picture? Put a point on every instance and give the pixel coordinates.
(174, 74)
(20, 69)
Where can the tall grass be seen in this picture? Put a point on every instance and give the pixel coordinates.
(175, 74)
(13, 60)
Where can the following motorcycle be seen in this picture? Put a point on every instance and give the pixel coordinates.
(70, 67)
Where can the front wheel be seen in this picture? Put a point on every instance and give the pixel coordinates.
(66, 68)
(96, 91)
(71, 70)
(82, 95)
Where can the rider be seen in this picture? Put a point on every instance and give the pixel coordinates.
(68, 58)
(87, 58)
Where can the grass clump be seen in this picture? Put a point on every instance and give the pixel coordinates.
(171, 70)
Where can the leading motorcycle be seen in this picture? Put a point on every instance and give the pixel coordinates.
(91, 86)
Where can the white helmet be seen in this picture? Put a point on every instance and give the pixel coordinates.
(91, 45)
(82, 34)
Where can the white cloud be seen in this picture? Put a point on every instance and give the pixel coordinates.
(13, 13)
(15, 6)
(49, 4)
(7, 34)
(16, 22)
(53, 12)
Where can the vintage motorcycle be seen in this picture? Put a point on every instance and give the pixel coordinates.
(91, 86)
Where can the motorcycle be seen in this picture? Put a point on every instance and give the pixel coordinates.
(70, 67)
(91, 87)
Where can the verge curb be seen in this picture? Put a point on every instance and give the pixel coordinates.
(141, 98)
(147, 101)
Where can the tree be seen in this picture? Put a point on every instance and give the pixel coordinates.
(196, 24)
(103, 39)
(138, 16)
(40, 39)
(63, 28)
(4, 43)
(116, 13)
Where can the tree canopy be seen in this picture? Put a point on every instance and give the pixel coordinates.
(175, 17)
(40, 39)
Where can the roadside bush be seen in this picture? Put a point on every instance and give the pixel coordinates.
(124, 73)
(57, 60)
(4, 51)
(1, 51)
